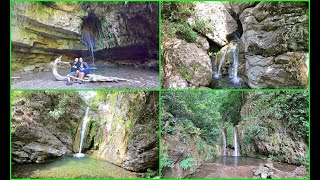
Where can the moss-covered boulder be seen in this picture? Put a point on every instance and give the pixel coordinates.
(185, 65)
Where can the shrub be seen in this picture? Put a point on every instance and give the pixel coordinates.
(186, 163)
(166, 161)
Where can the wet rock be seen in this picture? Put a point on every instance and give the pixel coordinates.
(127, 136)
(186, 60)
(207, 19)
(36, 136)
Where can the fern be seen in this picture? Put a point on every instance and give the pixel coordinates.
(186, 163)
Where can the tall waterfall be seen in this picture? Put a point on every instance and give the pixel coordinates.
(224, 139)
(235, 142)
(234, 71)
(83, 130)
(218, 73)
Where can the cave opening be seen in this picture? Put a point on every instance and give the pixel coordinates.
(90, 32)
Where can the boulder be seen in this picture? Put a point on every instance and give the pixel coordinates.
(186, 60)
(213, 20)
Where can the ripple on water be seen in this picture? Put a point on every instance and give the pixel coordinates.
(72, 167)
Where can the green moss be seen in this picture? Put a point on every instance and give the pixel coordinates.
(179, 30)
(203, 26)
(185, 73)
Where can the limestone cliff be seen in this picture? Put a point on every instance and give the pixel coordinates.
(41, 128)
(42, 31)
(124, 132)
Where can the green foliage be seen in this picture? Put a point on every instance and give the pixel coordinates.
(56, 114)
(203, 26)
(303, 160)
(174, 17)
(180, 30)
(185, 73)
(170, 130)
(202, 146)
(290, 108)
(176, 11)
(255, 132)
(184, 31)
(272, 158)
(150, 173)
(166, 161)
(186, 163)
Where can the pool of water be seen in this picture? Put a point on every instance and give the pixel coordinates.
(72, 167)
(226, 82)
(250, 161)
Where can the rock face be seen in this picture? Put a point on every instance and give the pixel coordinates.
(273, 45)
(179, 146)
(185, 65)
(272, 31)
(39, 130)
(125, 133)
(42, 31)
(213, 20)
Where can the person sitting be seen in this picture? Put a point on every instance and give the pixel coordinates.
(83, 69)
(73, 70)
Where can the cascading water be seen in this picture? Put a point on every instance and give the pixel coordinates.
(218, 73)
(83, 130)
(235, 142)
(234, 71)
(224, 139)
(89, 41)
(90, 31)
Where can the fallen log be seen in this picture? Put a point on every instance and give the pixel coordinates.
(87, 78)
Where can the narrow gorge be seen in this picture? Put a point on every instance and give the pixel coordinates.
(85, 134)
(235, 135)
(115, 38)
(235, 45)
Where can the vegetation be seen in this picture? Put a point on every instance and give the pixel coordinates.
(175, 15)
(186, 163)
(260, 115)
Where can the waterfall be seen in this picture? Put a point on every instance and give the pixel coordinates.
(224, 139)
(234, 71)
(235, 142)
(89, 41)
(218, 74)
(83, 130)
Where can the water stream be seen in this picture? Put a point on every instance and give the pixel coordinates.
(234, 70)
(83, 130)
(89, 41)
(224, 139)
(235, 142)
(219, 73)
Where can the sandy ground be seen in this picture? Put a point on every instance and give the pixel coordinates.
(45, 80)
